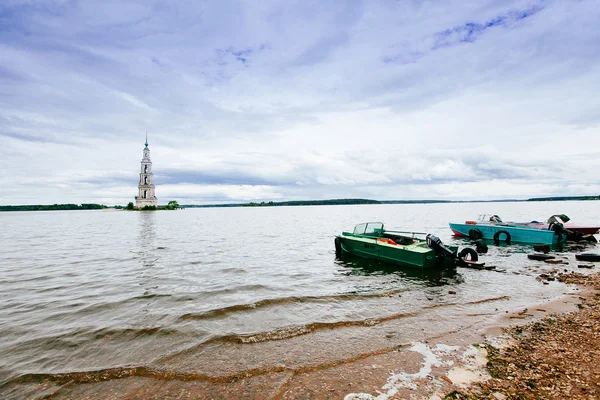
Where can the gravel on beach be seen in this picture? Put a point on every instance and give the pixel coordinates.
(555, 358)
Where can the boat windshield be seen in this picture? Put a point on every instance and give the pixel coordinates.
(369, 228)
(489, 218)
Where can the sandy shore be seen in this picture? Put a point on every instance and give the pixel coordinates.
(555, 358)
(550, 350)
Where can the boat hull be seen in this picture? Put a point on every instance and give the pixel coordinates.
(584, 230)
(518, 234)
(417, 255)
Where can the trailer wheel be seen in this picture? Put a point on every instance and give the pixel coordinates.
(475, 234)
(468, 254)
(497, 237)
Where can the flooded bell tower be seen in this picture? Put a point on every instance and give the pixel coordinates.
(146, 195)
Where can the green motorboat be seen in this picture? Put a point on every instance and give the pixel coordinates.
(413, 249)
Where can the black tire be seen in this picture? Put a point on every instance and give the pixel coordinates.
(587, 257)
(480, 246)
(338, 247)
(497, 237)
(468, 254)
(475, 234)
(540, 257)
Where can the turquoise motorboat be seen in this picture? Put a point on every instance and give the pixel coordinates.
(491, 227)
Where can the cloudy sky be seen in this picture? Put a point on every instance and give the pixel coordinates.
(290, 100)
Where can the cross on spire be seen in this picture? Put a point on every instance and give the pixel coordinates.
(146, 138)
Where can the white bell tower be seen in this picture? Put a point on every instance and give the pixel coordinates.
(146, 195)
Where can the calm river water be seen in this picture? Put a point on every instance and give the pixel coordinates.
(89, 290)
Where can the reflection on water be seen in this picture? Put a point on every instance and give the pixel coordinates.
(146, 229)
(146, 237)
(513, 247)
(353, 265)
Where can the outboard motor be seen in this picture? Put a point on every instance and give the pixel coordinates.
(435, 243)
(558, 228)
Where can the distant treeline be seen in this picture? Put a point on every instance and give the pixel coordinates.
(564, 198)
(312, 202)
(53, 207)
(330, 202)
(91, 206)
(414, 201)
(368, 201)
(291, 203)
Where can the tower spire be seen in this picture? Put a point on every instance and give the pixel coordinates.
(146, 190)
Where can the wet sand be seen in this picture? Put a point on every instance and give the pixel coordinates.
(381, 361)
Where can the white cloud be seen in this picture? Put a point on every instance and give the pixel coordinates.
(278, 101)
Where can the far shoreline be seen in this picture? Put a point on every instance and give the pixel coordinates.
(94, 206)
